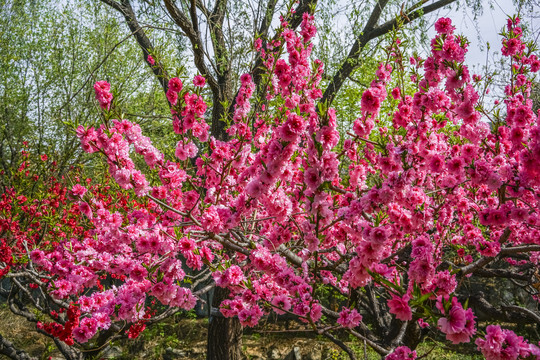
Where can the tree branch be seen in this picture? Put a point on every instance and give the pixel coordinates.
(379, 349)
(144, 42)
(335, 315)
(193, 35)
(528, 313)
(409, 17)
(19, 309)
(370, 32)
(350, 62)
(8, 349)
(341, 344)
(294, 20)
(267, 19)
(483, 261)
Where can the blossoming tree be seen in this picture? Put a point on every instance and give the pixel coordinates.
(426, 192)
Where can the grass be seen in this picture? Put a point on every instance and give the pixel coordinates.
(427, 350)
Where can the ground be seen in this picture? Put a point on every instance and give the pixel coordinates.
(185, 338)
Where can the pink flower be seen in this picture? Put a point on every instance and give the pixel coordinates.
(103, 320)
(328, 137)
(312, 178)
(444, 26)
(86, 209)
(103, 96)
(234, 275)
(250, 316)
(455, 165)
(421, 270)
(454, 322)
(362, 128)
(316, 313)
(519, 214)
(245, 79)
(175, 84)
(181, 152)
(443, 283)
(502, 344)
(517, 134)
(150, 60)
(371, 100)
(255, 188)
(282, 303)
(401, 353)
(79, 190)
(102, 86)
(458, 324)
(138, 273)
(379, 235)
(186, 244)
(349, 318)
(211, 220)
(200, 107)
(293, 127)
(184, 299)
(172, 96)
(422, 323)
(199, 81)
(399, 306)
(436, 164)
(86, 329)
(512, 46)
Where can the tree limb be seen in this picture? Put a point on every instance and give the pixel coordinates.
(192, 32)
(370, 32)
(294, 20)
(8, 349)
(379, 349)
(350, 62)
(483, 261)
(528, 313)
(341, 344)
(124, 7)
(267, 19)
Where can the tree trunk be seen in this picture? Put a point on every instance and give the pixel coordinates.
(224, 334)
(219, 112)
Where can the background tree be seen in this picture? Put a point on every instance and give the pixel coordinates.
(53, 57)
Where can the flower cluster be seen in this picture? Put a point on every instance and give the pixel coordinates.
(458, 323)
(503, 344)
(402, 353)
(103, 95)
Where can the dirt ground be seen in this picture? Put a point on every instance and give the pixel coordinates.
(182, 338)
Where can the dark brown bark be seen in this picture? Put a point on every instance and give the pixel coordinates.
(223, 92)
(413, 335)
(11, 351)
(219, 111)
(224, 334)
